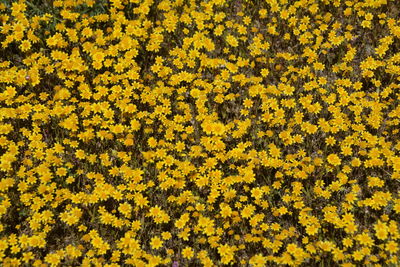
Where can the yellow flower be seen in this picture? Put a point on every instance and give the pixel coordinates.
(227, 253)
(125, 208)
(334, 159)
(218, 128)
(396, 163)
(330, 140)
(53, 259)
(231, 40)
(25, 45)
(71, 123)
(381, 230)
(226, 210)
(258, 261)
(264, 72)
(156, 243)
(365, 239)
(166, 235)
(248, 211)
(187, 253)
(98, 56)
(392, 247)
(61, 171)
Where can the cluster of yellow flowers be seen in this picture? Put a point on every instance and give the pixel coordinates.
(160, 132)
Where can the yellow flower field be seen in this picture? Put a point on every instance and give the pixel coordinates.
(199, 133)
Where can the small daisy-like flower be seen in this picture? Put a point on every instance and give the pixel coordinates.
(334, 159)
